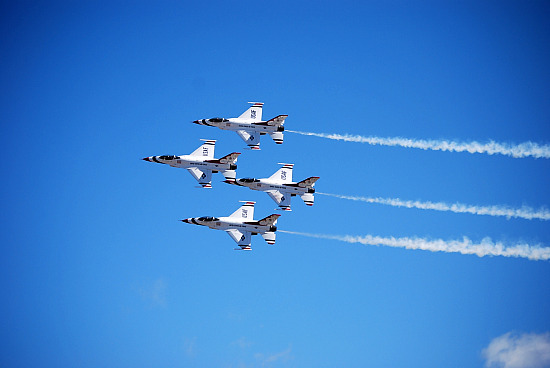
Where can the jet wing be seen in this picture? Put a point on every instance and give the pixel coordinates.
(243, 239)
(252, 138)
(282, 199)
(203, 177)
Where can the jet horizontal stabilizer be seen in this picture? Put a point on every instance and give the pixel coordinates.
(306, 183)
(269, 220)
(276, 121)
(269, 237)
(227, 159)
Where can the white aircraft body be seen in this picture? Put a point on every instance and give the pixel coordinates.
(280, 186)
(201, 163)
(240, 225)
(250, 126)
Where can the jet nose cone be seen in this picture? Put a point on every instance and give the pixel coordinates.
(146, 159)
(196, 122)
(185, 220)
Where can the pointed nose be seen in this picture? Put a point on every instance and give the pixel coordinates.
(196, 122)
(146, 159)
(185, 220)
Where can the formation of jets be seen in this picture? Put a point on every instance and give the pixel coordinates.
(240, 225)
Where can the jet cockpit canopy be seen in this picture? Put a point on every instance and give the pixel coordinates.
(208, 218)
(217, 120)
(249, 180)
(168, 157)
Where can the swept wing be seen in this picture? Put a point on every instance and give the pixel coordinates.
(242, 238)
(204, 177)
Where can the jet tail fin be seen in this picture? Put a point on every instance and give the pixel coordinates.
(284, 174)
(245, 212)
(254, 112)
(206, 149)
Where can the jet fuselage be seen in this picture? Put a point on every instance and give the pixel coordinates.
(241, 124)
(267, 184)
(250, 126)
(187, 161)
(226, 223)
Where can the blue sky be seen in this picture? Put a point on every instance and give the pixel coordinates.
(98, 271)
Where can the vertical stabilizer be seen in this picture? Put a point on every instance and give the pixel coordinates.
(245, 212)
(254, 112)
(284, 174)
(206, 149)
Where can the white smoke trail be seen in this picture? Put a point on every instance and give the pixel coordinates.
(524, 212)
(526, 149)
(465, 246)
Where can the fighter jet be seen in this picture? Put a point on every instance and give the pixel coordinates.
(280, 186)
(240, 225)
(201, 163)
(250, 126)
